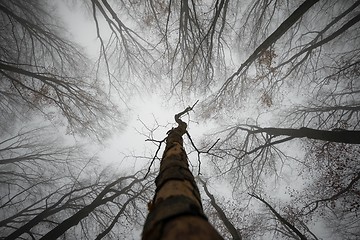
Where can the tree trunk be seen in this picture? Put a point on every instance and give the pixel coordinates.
(176, 211)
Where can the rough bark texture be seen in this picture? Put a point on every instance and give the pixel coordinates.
(176, 211)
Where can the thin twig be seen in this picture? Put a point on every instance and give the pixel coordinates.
(200, 152)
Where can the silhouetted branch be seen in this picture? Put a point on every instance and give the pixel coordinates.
(333, 197)
(200, 152)
(230, 227)
(280, 218)
(281, 30)
(155, 155)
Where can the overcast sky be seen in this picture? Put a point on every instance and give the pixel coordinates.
(150, 110)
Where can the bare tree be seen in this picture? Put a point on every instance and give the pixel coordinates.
(263, 48)
(176, 209)
(235, 234)
(40, 70)
(89, 208)
(296, 62)
(35, 168)
(292, 51)
(333, 194)
(281, 219)
(129, 57)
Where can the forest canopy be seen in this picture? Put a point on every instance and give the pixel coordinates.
(272, 139)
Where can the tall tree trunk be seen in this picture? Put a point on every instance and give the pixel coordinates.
(176, 211)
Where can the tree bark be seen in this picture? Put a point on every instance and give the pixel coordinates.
(176, 211)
